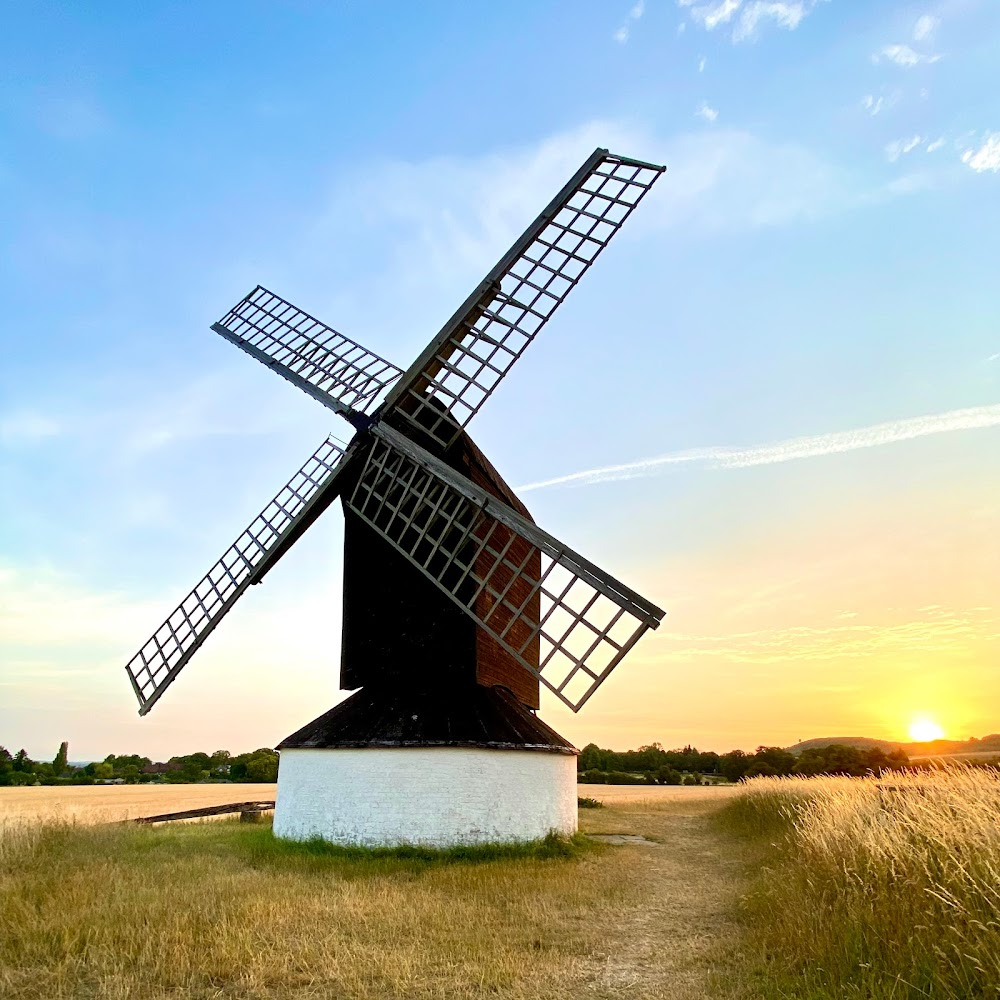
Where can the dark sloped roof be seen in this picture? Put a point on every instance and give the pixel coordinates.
(468, 715)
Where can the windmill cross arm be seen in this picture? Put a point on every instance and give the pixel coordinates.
(296, 505)
(561, 617)
(463, 364)
(596, 576)
(333, 369)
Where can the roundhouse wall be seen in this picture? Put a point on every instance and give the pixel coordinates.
(437, 796)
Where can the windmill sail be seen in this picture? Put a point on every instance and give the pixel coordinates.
(561, 617)
(332, 368)
(460, 368)
(308, 492)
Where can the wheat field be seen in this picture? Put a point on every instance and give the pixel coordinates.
(876, 888)
(88, 804)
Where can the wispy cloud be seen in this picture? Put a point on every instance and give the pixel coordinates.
(900, 147)
(790, 450)
(903, 55)
(635, 13)
(986, 157)
(706, 113)
(933, 147)
(748, 18)
(925, 27)
(940, 630)
(26, 427)
(873, 105)
(702, 63)
(783, 15)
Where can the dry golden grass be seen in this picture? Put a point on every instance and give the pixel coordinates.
(877, 888)
(106, 803)
(222, 910)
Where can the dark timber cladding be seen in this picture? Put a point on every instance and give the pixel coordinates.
(401, 630)
(451, 590)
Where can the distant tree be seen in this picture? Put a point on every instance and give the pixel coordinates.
(123, 761)
(733, 765)
(668, 776)
(22, 762)
(263, 766)
(624, 778)
(690, 779)
(590, 758)
(760, 769)
(61, 762)
(104, 771)
(780, 761)
(220, 763)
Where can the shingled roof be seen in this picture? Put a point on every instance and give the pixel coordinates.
(468, 715)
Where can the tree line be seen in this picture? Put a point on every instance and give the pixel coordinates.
(259, 765)
(654, 765)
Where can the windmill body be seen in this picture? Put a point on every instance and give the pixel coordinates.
(457, 606)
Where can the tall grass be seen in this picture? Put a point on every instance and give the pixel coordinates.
(880, 888)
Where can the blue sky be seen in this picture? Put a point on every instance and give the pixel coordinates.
(819, 259)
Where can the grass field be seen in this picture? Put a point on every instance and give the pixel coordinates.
(872, 888)
(801, 889)
(220, 909)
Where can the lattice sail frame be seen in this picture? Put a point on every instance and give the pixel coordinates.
(461, 367)
(462, 538)
(159, 661)
(588, 620)
(332, 368)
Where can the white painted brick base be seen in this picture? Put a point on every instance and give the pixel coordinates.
(436, 796)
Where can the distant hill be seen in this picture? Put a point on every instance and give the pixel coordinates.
(936, 748)
(861, 742)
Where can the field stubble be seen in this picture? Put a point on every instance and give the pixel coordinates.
(222, 910)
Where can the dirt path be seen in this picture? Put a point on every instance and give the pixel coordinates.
(681, 895)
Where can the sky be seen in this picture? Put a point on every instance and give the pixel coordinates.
(772, 407)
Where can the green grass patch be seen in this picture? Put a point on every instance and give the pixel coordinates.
(260, 847)
(586, 802)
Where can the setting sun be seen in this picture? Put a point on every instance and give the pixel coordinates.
(925, 730)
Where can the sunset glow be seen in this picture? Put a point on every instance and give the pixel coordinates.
(925, 730)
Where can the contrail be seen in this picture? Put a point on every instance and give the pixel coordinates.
(787, 451)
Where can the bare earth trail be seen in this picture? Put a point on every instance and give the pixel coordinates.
(679, 910)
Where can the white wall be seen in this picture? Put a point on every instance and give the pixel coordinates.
(424, 795)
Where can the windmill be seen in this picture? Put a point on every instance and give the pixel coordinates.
(457, 606)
